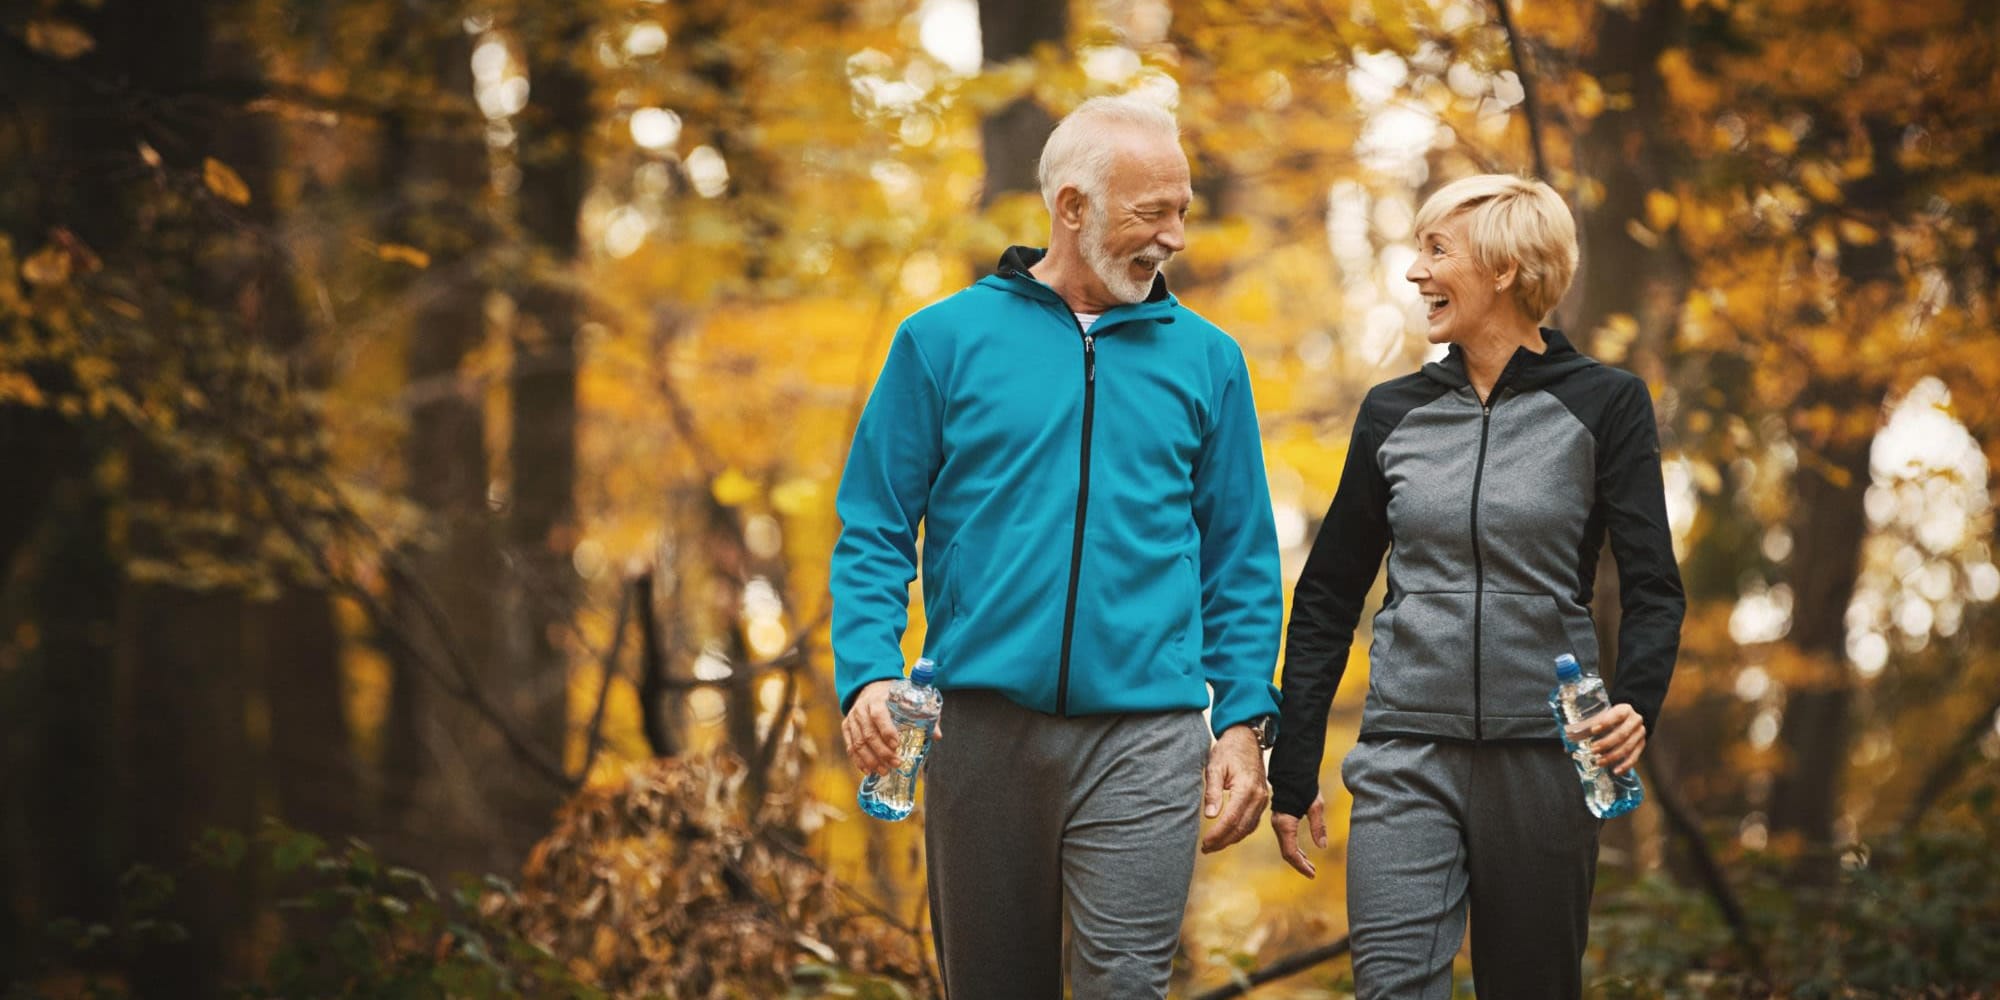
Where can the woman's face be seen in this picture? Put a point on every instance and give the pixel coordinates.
(1459, 295)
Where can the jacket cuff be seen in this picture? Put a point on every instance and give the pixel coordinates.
(1243, 702)
(853, 689)
(1292, 801)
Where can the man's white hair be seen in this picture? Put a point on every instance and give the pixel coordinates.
(1078, 153)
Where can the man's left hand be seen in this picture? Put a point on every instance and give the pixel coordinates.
(1235, 772)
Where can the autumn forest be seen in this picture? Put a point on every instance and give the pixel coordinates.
(420, 426)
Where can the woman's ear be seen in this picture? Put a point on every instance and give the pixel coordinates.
(1504, 278)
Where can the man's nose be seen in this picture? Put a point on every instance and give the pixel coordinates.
(1174, 236)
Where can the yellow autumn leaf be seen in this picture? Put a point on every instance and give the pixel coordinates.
(733, 488)
(1820, 182)
(403, 253)
(224, 182)
(92, 371)
(1590, 192)
(1858, 234)
(47, 266)
(60, 39)
(1780, 140)
(795, 497)
(1588, 101)
(1613, 338)
(1661, 210)
(149, 154)
(16, 387)
(1707, 478)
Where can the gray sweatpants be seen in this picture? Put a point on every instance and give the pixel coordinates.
(1031, 819)
(1440, 828)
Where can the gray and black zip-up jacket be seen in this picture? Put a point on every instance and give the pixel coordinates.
(1493, 516)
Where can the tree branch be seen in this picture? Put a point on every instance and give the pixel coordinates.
(1519, 49)
(1292, 964)
(592, 742)
(386, 621)
(249, 93)
(1682, 822)
(1950, 767)
(652, 675)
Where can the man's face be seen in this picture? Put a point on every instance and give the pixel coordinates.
(1140, 222)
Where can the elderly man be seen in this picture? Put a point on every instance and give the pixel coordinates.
(1099, 566)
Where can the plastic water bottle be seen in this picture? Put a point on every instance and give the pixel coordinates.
(915, 705)
(1578, 696)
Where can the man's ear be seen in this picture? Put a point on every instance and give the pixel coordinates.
(1071, 203)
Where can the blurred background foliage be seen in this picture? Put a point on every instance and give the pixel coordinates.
(419, 424)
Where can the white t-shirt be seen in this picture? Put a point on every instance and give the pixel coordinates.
(1086, 319)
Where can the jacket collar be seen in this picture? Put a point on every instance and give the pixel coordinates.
(1525, 370)
(1012, 276)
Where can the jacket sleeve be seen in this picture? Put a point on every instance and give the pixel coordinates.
(1634, 505)
(1242, 595)
(1326, 607)
(883, 494)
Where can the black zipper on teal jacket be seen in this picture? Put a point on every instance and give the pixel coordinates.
(1082, 507)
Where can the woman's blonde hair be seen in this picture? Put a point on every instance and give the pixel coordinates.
(1512, 220)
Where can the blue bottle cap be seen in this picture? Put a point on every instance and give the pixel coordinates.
(1566, 668)
(922, 673)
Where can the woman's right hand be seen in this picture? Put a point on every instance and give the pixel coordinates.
(1287, 829)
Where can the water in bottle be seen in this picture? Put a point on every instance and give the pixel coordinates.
(1578, 696)
(915, 705)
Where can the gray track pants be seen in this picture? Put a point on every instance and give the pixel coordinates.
(1440, 828)
(1030, 819)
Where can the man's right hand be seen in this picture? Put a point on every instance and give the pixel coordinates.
(870, 731)
(1287, 829)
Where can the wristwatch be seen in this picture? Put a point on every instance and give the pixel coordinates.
(1266, 728)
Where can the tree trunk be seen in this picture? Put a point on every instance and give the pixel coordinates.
(73, 820)
(1012, 137)
(1622, 280)
(542, 525)
(293, 638)
(436, 759)
(1623, 149)
(179, 653)
(1829, 523)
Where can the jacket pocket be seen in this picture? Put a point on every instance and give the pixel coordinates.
(1520, 637)
(1424, 664)
(1382, 637)
(1189, 643)
(943, 587)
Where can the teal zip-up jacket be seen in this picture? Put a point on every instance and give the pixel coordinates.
(1097, 527)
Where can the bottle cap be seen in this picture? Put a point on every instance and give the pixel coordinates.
(1566, 668)
(922, 673)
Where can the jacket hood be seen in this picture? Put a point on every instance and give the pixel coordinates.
(1012, 276)
(1525, 370)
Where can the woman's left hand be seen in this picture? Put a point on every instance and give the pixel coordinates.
(1617, 734)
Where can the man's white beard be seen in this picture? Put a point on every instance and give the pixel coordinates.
(1111, 270)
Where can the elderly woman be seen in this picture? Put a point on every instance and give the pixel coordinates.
(1491, 478)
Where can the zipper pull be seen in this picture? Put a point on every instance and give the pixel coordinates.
(1089, 358)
